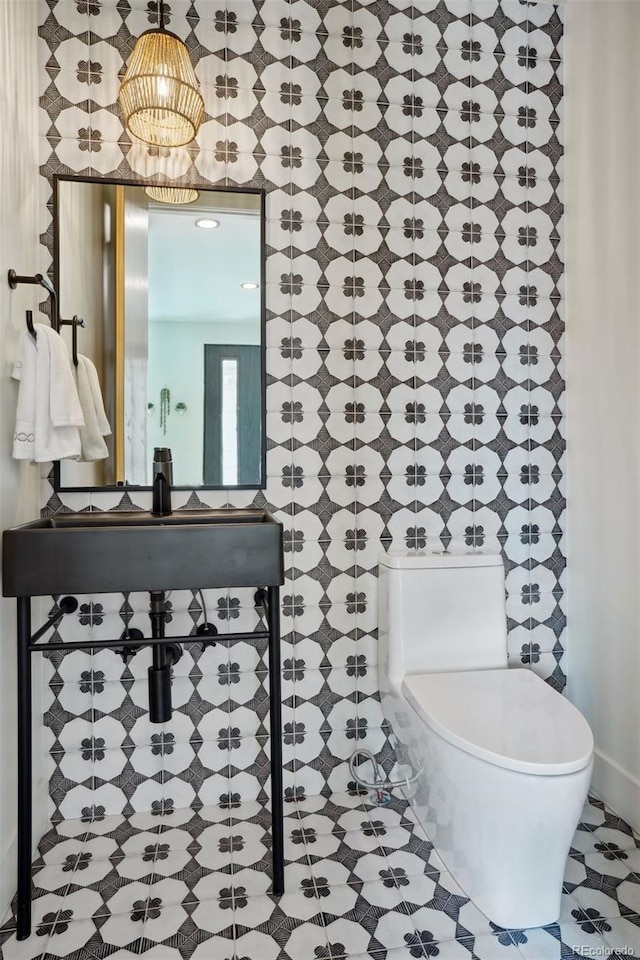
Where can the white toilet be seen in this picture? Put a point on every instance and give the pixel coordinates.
(503, 761)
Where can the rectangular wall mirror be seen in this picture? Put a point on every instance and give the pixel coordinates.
(170, 286)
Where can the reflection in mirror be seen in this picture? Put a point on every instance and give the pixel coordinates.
(172, 298)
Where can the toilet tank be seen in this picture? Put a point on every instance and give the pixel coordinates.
(441, 612)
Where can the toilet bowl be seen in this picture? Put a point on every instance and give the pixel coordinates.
(503, 761)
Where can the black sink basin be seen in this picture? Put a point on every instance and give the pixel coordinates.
(137, 518)
(116, 552)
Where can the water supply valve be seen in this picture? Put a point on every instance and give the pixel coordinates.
(207, 630)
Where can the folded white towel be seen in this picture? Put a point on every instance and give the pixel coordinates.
(96, 426)
(24, 370)
(96, 389)
(49, 412)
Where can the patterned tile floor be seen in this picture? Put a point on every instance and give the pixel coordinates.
(361, 882)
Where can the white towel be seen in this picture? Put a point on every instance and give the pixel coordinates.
(49, 412)
(96, 426)
(94, 383)
(24, 370)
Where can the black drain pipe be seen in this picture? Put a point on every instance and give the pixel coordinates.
(164, 656)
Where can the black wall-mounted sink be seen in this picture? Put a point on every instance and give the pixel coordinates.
(116, 552)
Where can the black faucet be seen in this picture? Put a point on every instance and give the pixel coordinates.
(162, 480)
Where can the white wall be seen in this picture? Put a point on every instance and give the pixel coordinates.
(81, 213)
(19, 483)
(80, 291)
(603, 351)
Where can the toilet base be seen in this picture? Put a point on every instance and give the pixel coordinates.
(503, 835)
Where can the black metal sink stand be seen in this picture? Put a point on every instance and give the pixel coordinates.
(268, 598)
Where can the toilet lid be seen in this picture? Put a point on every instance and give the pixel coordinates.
(510, 718)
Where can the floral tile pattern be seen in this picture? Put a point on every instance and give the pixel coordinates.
(411, 154)
(361, 881)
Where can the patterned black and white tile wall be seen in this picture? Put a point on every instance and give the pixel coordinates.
(412, 158)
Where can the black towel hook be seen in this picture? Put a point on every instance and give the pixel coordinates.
(74, 339)
(74, 323)
(13, 280)
(30, 326)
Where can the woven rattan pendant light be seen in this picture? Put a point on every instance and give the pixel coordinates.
(160, 96)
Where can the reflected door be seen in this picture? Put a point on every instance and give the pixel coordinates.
(232, 424)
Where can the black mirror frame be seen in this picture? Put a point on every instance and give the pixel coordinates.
(205, 187)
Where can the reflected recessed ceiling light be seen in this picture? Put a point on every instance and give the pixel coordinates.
(206, 224)
(249, 286)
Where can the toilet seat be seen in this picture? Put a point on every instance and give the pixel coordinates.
(510, 718)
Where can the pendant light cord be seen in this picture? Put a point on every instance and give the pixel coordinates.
(161, 14)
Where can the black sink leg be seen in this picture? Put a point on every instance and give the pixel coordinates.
(275, 729)
(24, 769)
